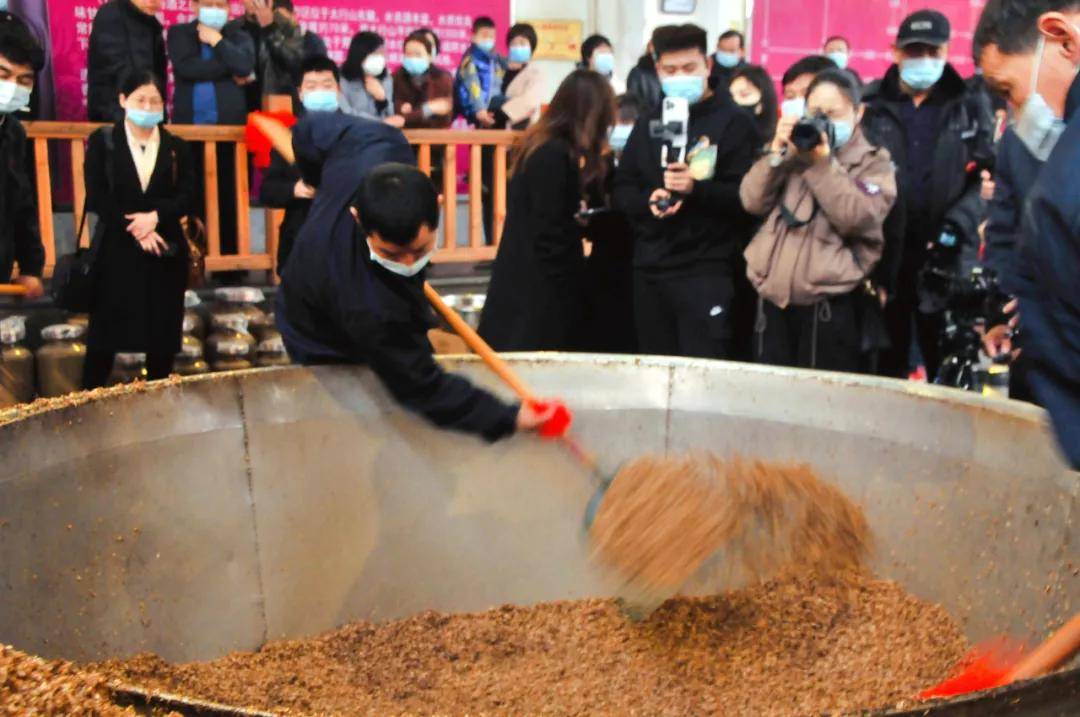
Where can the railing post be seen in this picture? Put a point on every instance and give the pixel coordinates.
(423, 158)
(213, 220)
(78, 186)
(499, 193)
(450, 197)
(243, 216)
(476, 197)
(45, 205)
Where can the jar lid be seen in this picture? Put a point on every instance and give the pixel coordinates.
(191, 349)
(466, 302)
(62, 332)
(191, 299)
(272, 345)
(131, 360)
(236, 322)
(12, 330)
(191, 319)
(231, 347)
(239, 295)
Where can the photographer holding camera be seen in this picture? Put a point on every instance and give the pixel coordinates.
(678, 183)
(937, 132)
(826, 192)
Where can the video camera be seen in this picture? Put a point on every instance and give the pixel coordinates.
(975, 302)
(806, 135)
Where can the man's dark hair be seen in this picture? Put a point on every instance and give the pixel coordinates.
(19, 45)
(592, 42)
(1012, 26)
(395, 200)
(842, 81)
(284, 5)
(132, 80)
(807, 66)
(672, 38)
(733, 33)
(523, 29)
(841, 38)
(319, 63)
(629, 107)
(482, 23)
(434, 37)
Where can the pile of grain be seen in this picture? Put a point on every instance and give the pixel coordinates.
(790, 647)
(31, 686)
(662, 518)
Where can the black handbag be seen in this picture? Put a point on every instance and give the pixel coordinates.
(74, 280)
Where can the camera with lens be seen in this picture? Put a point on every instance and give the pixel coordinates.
(974, 303)
(806, 135)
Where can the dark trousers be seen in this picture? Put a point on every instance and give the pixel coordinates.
(684, 315)
(825, 335)
(906, 323)
(99, 366)
(226, 170)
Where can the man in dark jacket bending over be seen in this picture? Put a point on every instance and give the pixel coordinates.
(354, 294)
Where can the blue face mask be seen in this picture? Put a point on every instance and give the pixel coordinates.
(320, 101)
(603, 62)
(1037, 126)
(214, 17)
(145, 118)
(520, 54)
(485, 46)
(921, 73)
(619, 136)
(406, 270)
(840, 59)
(687, 87)
(13, 97)
(726, 59)
(416, 66)
(842, 132)
(3, 5)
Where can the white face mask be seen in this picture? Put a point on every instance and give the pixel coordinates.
(13, 97)
(1037, 126)
(406, 270)
(374, 65)
(794, 107)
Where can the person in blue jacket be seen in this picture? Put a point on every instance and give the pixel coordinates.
(479, 76)
(352, 292)
(1029, 51)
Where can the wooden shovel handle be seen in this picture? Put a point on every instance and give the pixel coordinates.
(1062, 645)
(12, 290)
(478, 345)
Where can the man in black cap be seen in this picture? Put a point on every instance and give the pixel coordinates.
(939, 135)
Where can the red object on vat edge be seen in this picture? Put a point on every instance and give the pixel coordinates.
(986, 666)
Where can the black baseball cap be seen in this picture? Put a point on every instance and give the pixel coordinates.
(925, 27)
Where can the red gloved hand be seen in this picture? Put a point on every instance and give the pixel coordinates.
(559, 423)
(257, 143)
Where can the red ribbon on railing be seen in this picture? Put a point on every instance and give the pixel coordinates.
(258, 143)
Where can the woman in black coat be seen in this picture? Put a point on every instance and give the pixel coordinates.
(536, 298)
(142, 262)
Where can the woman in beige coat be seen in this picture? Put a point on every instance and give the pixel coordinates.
(824, 206)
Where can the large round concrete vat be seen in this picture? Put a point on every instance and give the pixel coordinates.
(211, 515)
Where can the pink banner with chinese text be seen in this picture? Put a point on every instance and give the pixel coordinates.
(336, 21)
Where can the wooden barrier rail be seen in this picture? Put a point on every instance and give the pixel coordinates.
(74, 134)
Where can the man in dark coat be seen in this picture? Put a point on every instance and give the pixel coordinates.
(125, 37)
(729, 58)
(352, 295)
(282, 186)
(20, 58)
(937, 134)
(282, 48)
(1015, 173)
(211, 57)
(1029, 50)
(689, 224)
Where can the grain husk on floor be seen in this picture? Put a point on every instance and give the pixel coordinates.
(795, 646)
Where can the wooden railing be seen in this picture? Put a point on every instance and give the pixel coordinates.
(74, 134)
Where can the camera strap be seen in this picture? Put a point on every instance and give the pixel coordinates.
(793, 221)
